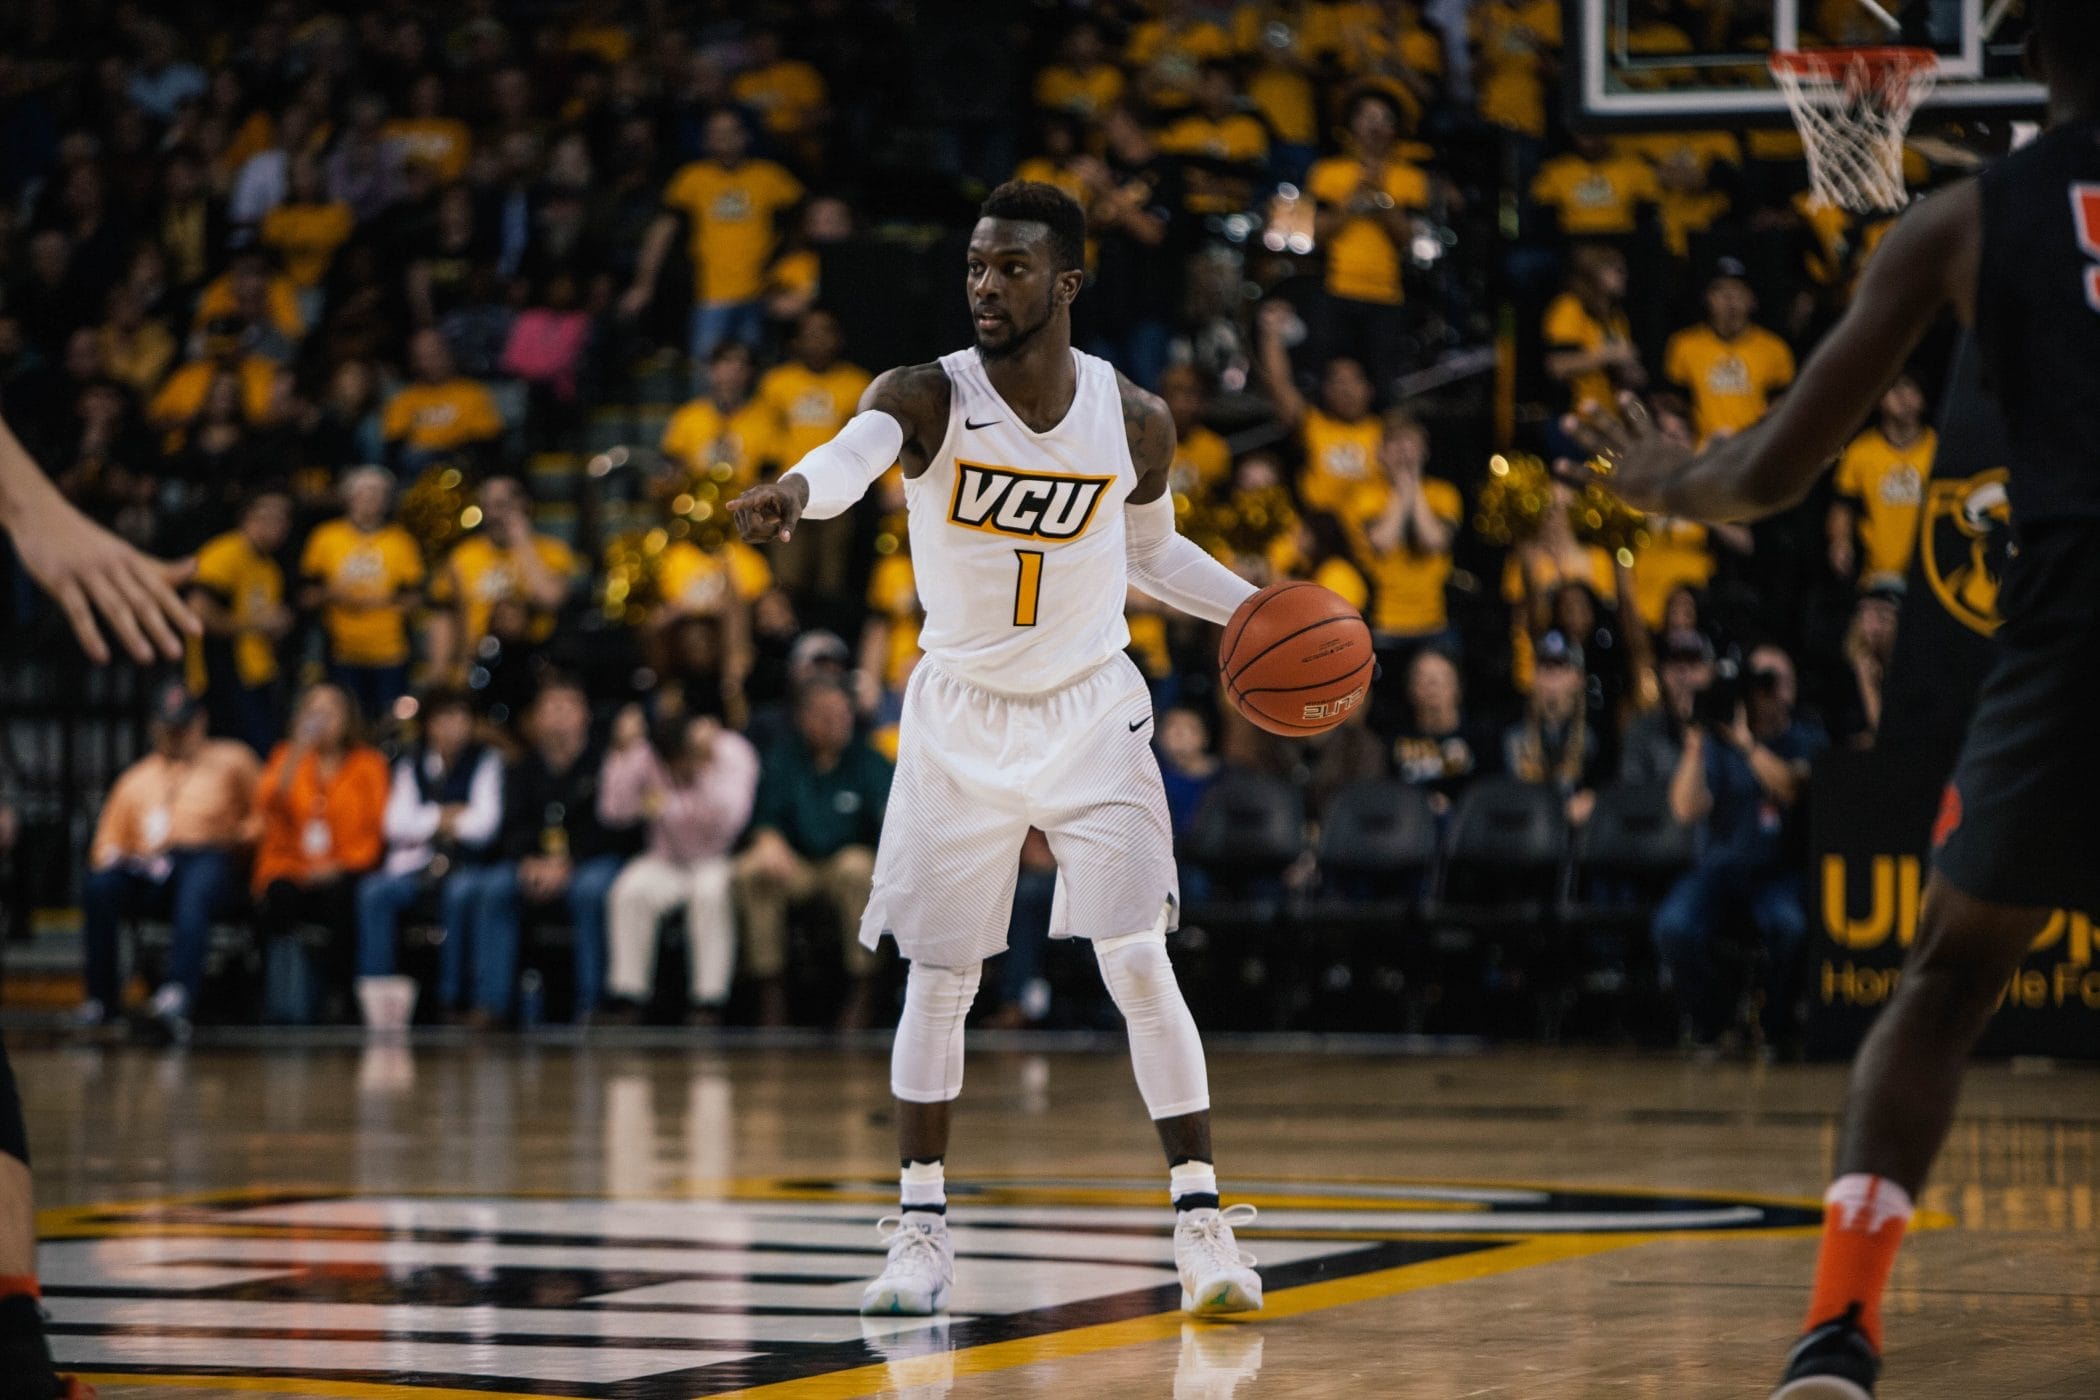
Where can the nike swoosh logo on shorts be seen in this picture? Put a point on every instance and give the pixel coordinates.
(987, 423)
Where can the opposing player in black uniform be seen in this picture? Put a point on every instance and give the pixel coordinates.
(90, 572)
(2016, 253)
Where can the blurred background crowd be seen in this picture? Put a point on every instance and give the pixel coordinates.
(439, 335)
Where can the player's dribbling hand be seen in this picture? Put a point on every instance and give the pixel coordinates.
(90, 571)
(770, 512)
(1638, 461)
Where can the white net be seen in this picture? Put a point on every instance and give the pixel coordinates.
(1853, 107)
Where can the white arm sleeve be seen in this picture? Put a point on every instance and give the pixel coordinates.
(1172, 568)
(840, 472)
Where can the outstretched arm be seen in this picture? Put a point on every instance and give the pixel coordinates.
(903, 417)
(89, 570)
(1928, 261)
(1163, 563)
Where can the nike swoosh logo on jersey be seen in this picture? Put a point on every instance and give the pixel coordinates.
(987, 423)
(1137, 724)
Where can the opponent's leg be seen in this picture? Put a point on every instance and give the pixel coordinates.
(25, 1357)
(1167, 1054)
(926, 1074)
(1905, 1083)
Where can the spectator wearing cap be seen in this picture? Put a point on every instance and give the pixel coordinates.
(320, 808)
(364, 573)
(237, 589)
(1654, 740)
(1880, 484)
(504, 562)
(731, 204)
(693, 782)
(442, 414)
(558, 856)
(169, 841)
(1555, 743)
(814, 656)
(1742, 780)
(444, 810)
(813, 829)
(1727, 366)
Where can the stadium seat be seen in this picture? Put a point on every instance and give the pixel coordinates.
(1622, 863)
(1377, 846)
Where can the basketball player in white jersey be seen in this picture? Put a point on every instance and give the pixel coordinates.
(1036, 482)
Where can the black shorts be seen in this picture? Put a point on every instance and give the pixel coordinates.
(2016, 823)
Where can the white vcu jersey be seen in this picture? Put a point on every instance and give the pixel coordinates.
(1017, 536)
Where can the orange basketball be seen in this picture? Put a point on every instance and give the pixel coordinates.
(1296, 659)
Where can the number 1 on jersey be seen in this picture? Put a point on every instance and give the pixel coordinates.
(2085, 212)
(1028, 588)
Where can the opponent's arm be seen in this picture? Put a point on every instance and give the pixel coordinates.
(1163, 563)
(89, 570)
(1928, 261)
(903, 416)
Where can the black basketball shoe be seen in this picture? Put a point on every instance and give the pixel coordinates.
(1834, 1361)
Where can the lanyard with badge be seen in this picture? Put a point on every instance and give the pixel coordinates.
(554, 837)
(316, 837)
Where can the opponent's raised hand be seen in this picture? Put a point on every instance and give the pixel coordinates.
(771, 511)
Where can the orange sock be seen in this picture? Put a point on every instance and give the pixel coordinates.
(13, 1285)
(1863, 1220)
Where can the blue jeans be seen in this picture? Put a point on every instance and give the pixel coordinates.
(381, 900)
(499, 930)
(716, 321)
(470, 936)
(1688, 918)
(199, 887)
(375, 688)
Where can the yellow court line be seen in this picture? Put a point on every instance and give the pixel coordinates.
(299, 1385)
(866, 1381)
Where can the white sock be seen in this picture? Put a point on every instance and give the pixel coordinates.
(923, 1190)
(1866, 1203)
(1193, 1185)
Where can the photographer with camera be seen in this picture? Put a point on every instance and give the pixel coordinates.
(1741, 780)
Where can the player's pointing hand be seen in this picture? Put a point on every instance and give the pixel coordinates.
(1630, 455)
(771, 511)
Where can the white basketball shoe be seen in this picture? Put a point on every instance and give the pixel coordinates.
(920, 1270)
(1217, 1276)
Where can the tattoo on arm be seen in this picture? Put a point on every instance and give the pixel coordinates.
(1149, 429)
(917, 396)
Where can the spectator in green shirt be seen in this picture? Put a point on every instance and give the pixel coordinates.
(813, 829)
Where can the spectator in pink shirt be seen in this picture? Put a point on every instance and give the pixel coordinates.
(694, 782)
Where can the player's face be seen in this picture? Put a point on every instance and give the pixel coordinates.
(1013, 284)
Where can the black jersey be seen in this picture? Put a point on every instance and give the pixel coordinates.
(2038, 322)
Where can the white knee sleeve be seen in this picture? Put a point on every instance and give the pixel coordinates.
(926, 1062)
(1164, 1047)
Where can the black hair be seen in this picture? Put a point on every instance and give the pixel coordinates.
(729, 347)
(444, 697)
(1033, 202)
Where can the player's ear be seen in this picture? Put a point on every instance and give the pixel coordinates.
(1068, 284)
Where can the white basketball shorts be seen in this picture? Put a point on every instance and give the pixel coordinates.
(976, 769)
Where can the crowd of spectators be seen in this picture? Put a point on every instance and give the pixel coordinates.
(327, 297)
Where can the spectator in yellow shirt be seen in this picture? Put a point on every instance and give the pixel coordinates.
(305, 231)
(1202, 460)
(1384, 42)
(1596, 192)
(426, 136)
(732, 205)
(364, 573)
(1341, 437)
(1224, 150)
(1082, 81)
(442, 414)
(811, 397)
(1167, 53)
(1274, 42)
(788, 95)
(238, 591)
(503, 562)
(1587, 337)
(136, 349)
(1362, 220)
(727, 436)
(1404, 544)
(1873, 523)
(1729, 367)
(180, 402)
(793, 282)
(260, 301)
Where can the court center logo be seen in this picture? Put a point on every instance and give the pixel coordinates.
(1965, 541)
(760, 1286)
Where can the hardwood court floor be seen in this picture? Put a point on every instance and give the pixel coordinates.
(685, 1220)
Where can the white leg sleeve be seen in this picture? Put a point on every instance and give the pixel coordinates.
(1164, 1047)
(926, 1062)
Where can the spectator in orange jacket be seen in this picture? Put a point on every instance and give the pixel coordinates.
(320, 802)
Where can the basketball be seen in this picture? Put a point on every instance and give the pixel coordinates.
(1296, 659)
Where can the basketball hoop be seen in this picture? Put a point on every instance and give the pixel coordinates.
(1853, 107)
